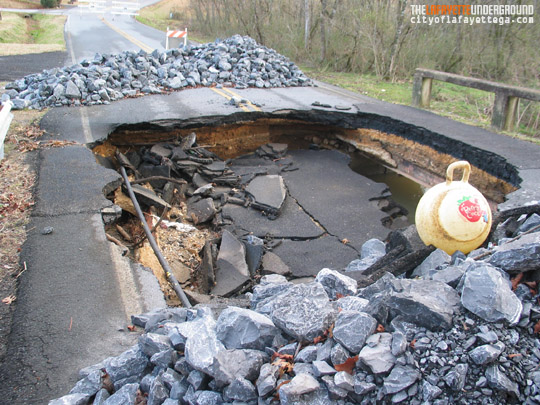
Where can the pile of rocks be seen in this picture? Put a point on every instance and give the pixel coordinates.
(461, 332)
(237, 61)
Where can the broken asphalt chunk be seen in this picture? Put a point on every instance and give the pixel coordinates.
(201, 211)
(232, 271)
(148, 197)
(268, 190)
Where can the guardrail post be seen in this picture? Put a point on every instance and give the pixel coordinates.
(421, 93)
(5, 121)
(504, 111)
(511, 113)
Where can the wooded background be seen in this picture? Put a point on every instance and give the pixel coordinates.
(377, 36)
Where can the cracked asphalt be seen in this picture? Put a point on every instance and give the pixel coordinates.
(76, 296)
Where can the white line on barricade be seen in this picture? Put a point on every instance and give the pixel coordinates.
(176, 34)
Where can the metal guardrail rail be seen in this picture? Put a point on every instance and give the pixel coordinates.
(506, 96)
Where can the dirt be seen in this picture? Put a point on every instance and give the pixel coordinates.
(18, 174)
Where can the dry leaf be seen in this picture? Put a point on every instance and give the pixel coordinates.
(9, 300)
(345, 241)
(512, 355)
(537, 327)
(380, 328)
(131, 328)
(413, 342)
(348, 366)
(516, 280)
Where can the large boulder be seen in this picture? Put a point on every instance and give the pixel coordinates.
(304, 312)
(486, 293)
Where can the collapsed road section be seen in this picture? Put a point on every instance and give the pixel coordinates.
(276, 211)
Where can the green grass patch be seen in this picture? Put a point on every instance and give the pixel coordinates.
(470, 106)
(12, 28)
(36, 33)
(50, 29)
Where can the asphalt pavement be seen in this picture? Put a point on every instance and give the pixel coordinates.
(75, 298)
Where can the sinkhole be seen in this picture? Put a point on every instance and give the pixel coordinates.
(232, 198)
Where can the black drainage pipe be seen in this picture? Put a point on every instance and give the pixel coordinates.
(168, 272)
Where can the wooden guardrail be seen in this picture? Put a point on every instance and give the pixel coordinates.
(506, 96)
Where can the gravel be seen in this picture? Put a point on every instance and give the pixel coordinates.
(238, 62)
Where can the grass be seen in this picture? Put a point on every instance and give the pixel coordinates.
(50, 29)
(158, 15)
(463, 104)
(36, 34)
(20, 4)
(12, 28)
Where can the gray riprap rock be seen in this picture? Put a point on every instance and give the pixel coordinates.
(399, 343)
(377, 353)
(301, 384)
(344, 381)
(430, 392)
(336, 283)
(334, 392)
(373, 247)
(339, 354)
(89, 385)
(254, 252)
(241, 389)
(232, 272)
(450, 275)
(202, 211)
(304, 312)
(518, 256)
(132, 362)
(125, 395)
(268, 292)
(531, 222)
(267, 379)
(101, 397)
(400, 377)
(487, 294)
(436, 259)
(240, 328)
(498, 380)
(164, 359)
(321, 368)
(197, 379)
(158, 393)
(371, 251)
(205, 398)
(362, 387)
(170, 377)
(229, 364)
(72, 91)
(352, 303)
(152, 343)
(455, 378)
(268, 190)
(353, 328)
(307, 355)
(427, 303)
(486, 353)
(202, 344)
(71, 399)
